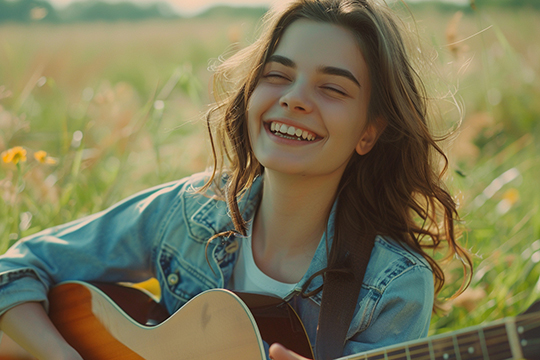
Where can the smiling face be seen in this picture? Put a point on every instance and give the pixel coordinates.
(308, 112)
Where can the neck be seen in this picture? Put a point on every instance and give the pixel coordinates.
(290, 222)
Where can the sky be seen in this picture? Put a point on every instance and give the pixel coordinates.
(191, 6)
(194, 6)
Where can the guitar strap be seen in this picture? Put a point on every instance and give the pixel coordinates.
(341, 289)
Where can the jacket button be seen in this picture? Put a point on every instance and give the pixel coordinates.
(232, 247)
(172, 279)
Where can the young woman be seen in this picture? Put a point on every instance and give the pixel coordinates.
(321, 142)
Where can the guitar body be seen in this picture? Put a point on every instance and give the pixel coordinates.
(215, 324)
(104, 321)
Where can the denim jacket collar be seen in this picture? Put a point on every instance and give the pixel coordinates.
(208, 219)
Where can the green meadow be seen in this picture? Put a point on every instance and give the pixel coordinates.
(119, 107)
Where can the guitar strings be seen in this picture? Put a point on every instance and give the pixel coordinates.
(528, 322)
(496, 342)
(421, 351)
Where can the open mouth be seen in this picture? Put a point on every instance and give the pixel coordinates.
(290, 132)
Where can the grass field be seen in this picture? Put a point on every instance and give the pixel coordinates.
(117, 107)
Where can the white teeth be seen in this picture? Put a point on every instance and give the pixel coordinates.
(291, 131)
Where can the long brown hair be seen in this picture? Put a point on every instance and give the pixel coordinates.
(396, 189)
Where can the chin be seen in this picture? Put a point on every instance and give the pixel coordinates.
(283, 168)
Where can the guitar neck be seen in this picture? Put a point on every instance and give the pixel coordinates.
(508, 338)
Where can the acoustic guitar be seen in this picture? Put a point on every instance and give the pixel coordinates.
(104, 321)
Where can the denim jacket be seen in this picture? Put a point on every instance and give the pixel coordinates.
(163, 232)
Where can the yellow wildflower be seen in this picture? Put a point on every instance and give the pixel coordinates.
(511, 195)
(14, 155)
(44, 158)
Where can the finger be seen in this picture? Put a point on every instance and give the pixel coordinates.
(280, 352)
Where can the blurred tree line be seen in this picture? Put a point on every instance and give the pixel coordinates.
(507, 3)
(93, 10)
(98, 10)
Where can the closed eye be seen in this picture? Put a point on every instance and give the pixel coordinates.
(335, 90)
(274, 77)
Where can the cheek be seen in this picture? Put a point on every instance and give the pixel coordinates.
(263, 97)
(252, 106)
(346, 129)
(258, 104)
(251, 115)
(253, 125)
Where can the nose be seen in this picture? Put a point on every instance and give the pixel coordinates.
(296, 98)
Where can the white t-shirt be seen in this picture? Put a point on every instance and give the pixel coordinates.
(247, 277)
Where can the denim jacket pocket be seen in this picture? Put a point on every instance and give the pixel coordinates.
(179, 280)
(363, 315)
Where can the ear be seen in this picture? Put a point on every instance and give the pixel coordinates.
(370, 136)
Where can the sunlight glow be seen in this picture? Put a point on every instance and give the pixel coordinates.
(190, 7)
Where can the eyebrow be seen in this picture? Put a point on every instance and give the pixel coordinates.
(330, 70)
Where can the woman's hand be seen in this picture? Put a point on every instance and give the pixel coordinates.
(280, 352)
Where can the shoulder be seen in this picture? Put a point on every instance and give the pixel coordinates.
(391, 260)
(396, 298)
(186, 199)
(205, 212)
(178, 190)
(186, 186)
(168, 203)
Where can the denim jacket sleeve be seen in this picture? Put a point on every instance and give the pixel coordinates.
(402, 313)
(117, 244)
